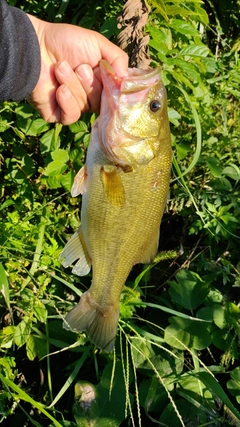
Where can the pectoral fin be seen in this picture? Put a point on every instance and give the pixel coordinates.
(79, 182)
(76, 249)
(113, 186)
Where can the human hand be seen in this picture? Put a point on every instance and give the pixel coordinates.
(69, 81)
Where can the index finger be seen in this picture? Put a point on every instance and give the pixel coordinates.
(113, 54)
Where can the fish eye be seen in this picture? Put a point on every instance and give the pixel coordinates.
(155, 105)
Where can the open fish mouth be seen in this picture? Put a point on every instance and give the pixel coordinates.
(136, 80)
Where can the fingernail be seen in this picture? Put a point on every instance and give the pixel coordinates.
(84, 71)
(64, 68)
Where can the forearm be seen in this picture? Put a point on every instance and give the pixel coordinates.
(20, 60)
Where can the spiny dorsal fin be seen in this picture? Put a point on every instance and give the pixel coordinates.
(79, 182)
(113, 185)
(76, 249)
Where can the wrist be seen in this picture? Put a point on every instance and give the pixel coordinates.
(39, 27)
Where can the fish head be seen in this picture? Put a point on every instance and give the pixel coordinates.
(133, 119)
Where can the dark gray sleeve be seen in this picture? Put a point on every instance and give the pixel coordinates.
(20, 59)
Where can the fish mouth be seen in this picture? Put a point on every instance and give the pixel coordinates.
(135, 81)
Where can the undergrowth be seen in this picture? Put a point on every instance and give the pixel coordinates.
(176, 361)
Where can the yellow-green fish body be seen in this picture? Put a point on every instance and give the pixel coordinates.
(124, 183)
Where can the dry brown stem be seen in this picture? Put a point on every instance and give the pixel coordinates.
(132, 38)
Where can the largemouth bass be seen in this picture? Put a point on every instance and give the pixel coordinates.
(124, 185)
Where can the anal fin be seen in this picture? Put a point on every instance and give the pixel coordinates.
(75, 249)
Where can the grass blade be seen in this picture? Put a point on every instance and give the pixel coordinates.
(71, 378)
(4, 286)
(171, 311)
(22, 395)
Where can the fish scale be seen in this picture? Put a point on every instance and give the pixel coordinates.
(124, 186)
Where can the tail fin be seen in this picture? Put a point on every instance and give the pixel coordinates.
(100, 325)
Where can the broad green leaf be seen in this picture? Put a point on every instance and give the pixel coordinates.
(183, 27)
(234, 388)
(49, 141)
(196, 392)
(224, 340)
(35, 347)
(182, 333)
(60, 155)
(219, 316)
(161, 40)
(67, 180)
(8, 202)
(177, 337)
(182, 79)
(22, 332)
(53, 181)
(40, 311)
(188, 68)
(28, 122)
(28, 166)
(56, 167)
(194, 50)
(233, 385)
(160, 7)
(187, 410)
(199, 13)
(109, 27)
(167, 365)
(24, 110)
(9, 364)
(36, 127)
(174, 116)
(232, 171)
(7, 336)
(235, 374)
(76, 156)
(182, 150)
(189, 291)
(171, 417)
(4, 125)
(210, 65)
(79, 126)
(213, 165)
